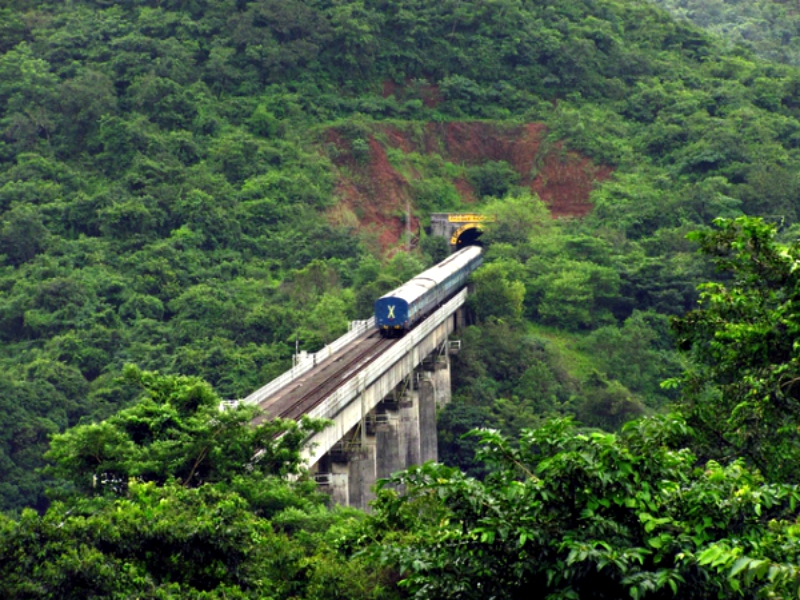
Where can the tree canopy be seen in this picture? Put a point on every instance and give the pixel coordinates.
(192, 187)
(174, 498)
(567, 514)
(195, 188)
(741, 393)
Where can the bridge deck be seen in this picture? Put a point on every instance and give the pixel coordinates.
(306, 391)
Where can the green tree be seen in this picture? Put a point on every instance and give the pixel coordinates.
(176, 498)
(158, 542)
(567, 514)
(495, 179)
(23, 235)
(326, 322)
(517, 219)
(176, 431)
(27, 97)
(497, 293)
(170, 542)
(639, 355)
(608, 404)
(575, 295)
(741, 395)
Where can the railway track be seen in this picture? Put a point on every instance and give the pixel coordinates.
(302, 395)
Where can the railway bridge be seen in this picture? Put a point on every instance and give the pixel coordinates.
(381, 396)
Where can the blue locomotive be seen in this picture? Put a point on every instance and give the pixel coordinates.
(399, 310)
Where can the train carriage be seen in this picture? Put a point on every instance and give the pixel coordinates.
(399, 310)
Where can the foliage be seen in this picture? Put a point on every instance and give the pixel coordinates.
(175, 431)
(740, 394)
(608, 405)
(168, 192)
(559, 275)
(765, 27)
(639, 354)
(169, 198)
(494, 179)
(176, 498)
(164, 542)
(510, 377)
(568, 514)
(495, 295)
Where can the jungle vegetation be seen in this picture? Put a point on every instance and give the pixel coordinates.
(768, 28)
(173, 223)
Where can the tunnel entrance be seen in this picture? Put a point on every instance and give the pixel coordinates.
(466, 236)
(460, 229)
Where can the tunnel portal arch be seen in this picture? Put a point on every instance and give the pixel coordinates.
(466, 235)
(460, 229)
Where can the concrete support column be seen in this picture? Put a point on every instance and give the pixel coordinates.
(388, 437)
(427, 420)
(340, 484)
(362, 476)
(440, 378)
(410, 433)
(459, 319)
(399, 432)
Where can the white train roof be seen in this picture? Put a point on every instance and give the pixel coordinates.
(416, 287)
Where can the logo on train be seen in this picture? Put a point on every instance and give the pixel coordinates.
(391, 312)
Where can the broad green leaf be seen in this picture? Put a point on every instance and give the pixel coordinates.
(739, 565)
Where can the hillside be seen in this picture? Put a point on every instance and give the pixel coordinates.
(191, 187)
(400, 164)
(768, 28)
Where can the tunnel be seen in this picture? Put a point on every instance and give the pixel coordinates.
(466, 236)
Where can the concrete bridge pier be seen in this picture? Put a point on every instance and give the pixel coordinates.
(399, 432)
(411, 427)
(339, 483)
(362, 476)
(391, 440)
(428, 439)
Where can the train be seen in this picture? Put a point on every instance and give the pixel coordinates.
(401, 309)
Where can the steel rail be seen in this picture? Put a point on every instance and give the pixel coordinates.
(358, 329)
(349, 369)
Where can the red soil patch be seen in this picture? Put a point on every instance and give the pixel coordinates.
(476, 143)
(466, 190)
(375, 192)
(565, 182)
(378, 194)
(342, 151)
(399, 139)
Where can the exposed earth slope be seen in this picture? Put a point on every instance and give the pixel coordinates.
(376, 188)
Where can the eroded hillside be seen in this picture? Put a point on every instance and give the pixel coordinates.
(377, 169)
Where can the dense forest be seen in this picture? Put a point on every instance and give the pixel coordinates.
(769, 28)
(190, 189)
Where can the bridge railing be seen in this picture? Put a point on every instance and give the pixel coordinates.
(309, 361)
